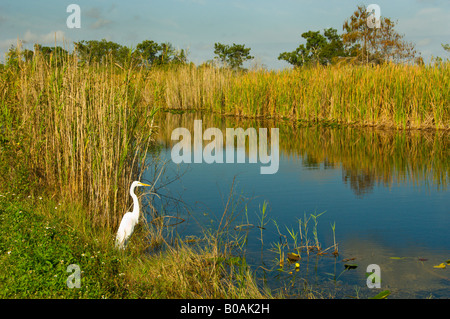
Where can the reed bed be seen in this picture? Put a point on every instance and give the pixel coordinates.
(84, 130)
(390, 95)
(80, 132)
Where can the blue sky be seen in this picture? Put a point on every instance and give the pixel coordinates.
(267, 27)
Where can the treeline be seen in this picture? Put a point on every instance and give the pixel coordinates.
(147, 53)
(359, 44)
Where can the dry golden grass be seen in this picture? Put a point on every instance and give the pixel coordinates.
(391, 95)
(81, 131)
(192, 271)
(84, 130)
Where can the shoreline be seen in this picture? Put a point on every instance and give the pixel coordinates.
(306, 122)
(38, 245)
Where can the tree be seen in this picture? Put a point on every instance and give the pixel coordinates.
(233, 56)
(321, 49)
(147, 52)
(28, 55)
(50, 54)
(169, 55)
(446, 47)
(53, 55)
(100, 51)
(13, 56)
(375, 45)
(150, 53)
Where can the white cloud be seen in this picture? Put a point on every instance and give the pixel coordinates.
(48, 38)
(30, 38)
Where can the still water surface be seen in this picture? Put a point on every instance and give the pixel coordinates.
(386, 192)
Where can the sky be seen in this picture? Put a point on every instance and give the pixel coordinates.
(267, 27)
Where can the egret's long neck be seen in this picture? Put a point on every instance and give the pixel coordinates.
(135, 203)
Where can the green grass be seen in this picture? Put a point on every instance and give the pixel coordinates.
(36, 250)
(40, 238)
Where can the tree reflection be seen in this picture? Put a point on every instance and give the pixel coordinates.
(365, 155)
(361, 181)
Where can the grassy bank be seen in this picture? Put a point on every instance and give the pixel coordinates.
(40, 238)
(394, 96)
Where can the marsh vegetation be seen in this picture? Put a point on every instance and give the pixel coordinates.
(79, 133)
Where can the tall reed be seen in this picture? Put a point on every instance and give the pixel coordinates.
(82, 131)
(85, 130)
(397, 96)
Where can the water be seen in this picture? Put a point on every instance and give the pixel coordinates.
(386, 192)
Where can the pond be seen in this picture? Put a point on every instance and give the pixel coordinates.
(384, 192)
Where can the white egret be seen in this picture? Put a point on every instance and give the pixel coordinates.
(130, 219)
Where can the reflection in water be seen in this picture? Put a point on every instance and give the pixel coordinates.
(367, 156)
(361, 181)
(386, 192)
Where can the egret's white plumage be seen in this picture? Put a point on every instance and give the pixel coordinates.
(130, 219)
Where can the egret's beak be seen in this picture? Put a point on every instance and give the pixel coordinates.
(142, 184)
